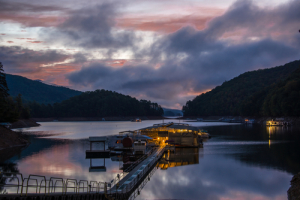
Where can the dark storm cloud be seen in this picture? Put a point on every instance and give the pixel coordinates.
(243, 15)
(198, 72)
(9, 6)
(92, 28)
(194, 61)
(17, 60)
(129, 79)
(30, 14)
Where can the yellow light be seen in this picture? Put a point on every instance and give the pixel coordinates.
(157, 138)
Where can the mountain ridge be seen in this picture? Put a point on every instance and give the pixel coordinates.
(34, 90)
(236, 96)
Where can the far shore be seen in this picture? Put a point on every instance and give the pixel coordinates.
(24, 123)
(97, 118)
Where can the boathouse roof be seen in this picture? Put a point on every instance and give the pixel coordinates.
(172, 126)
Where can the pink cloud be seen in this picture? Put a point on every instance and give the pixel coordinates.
(10, 42)
(163, 24)
(35, 41)
(32, 20)
(25, 38)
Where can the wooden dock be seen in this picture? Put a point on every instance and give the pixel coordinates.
(59, 189)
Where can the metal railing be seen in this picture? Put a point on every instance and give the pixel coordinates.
(133, 165)
(120, 176)
(36, 184)
(142, 185)
(142, 173)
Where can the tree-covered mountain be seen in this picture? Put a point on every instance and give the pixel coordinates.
(256, 93)
(37, 91)
(284, 98)
(99, 103)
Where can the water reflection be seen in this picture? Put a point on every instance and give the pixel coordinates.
(10, 169)
(238, 162)
(61, 158)
(217, 177)
(81, 130)
(179, 157)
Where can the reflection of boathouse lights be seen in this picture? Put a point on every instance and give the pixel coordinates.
(269, 137)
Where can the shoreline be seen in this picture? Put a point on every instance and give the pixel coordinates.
(11, 139)
(258, 120)
(24, 123)
(97, 118)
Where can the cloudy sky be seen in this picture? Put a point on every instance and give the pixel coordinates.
(166, 51)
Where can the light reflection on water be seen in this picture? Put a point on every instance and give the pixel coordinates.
(64, 159)
(238, 162)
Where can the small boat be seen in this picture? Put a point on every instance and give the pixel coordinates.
(136, 120)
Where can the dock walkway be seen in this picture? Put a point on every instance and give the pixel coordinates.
(137, 172)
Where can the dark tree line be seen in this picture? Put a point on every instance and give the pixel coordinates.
(268, 92)
(99, 103)
(11, 109)
(284, 98)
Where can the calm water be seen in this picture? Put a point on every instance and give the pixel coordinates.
(238, 162)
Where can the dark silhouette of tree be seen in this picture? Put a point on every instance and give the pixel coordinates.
(3, 84)
(9, 169)
(10, 110)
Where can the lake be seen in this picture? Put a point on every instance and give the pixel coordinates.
(238, 162)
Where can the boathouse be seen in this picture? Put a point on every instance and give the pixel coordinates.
(179, 134)
(278, 122)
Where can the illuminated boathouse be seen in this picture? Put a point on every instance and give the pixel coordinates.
(178, 134)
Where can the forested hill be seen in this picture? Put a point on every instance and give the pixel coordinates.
(249, 94)
(284, 98)
(37, 91)
(99, 103)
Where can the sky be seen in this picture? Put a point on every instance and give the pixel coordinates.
(166, 51)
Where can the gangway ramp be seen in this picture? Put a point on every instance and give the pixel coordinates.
(131, 180)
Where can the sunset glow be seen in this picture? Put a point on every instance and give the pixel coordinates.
(167, 52)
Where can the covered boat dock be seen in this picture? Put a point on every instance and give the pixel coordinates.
(179, 134)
